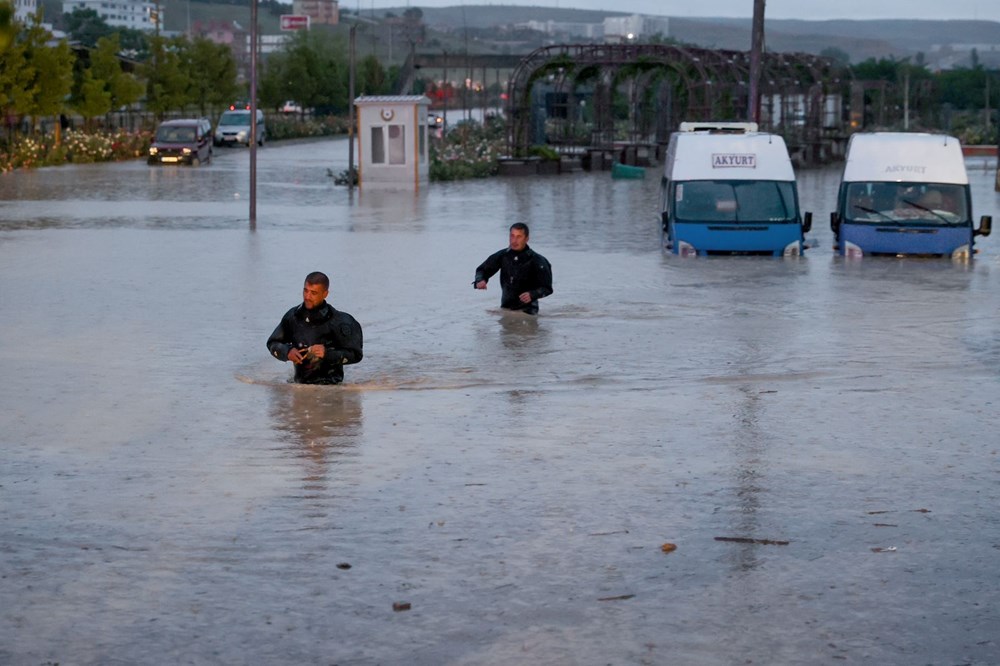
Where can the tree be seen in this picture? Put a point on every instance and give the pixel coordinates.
(212, 72)
(91, 98)
(371, 76)
(14, 79)
(8, 28)
(839, 56)
(167, 84)
(312, 70)
(85, 26)
(47, 73)
(122, 87)
(101, 86)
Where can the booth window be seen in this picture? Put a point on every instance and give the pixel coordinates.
(378, 145)
(423, 144)
(397, 144)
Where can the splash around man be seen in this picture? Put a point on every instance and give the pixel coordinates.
(525, 275)
(318, 339)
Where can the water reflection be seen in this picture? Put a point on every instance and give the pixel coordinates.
(748, 450)
(521, 333)
(321, 425)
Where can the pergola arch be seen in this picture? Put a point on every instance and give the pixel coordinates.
(681, 82)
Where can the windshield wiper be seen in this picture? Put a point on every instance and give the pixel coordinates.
(877, 212)
(932, 212)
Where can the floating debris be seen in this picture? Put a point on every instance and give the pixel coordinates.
(400, 606)
(668, 547)
(762, 542)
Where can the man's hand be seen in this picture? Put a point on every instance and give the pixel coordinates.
(298, 356)
(525, 297)
(481, 284)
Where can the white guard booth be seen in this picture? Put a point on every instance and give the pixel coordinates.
(392, 140)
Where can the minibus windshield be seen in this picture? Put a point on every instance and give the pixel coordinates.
(906, 203)
(735, 201)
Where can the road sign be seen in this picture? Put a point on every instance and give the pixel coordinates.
(294, 22)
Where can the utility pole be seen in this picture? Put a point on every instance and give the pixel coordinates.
(352, 43)
(253, 115)
(756, 58)
(906, 97)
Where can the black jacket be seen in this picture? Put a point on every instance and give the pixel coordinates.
(519, 272)
(338, 331)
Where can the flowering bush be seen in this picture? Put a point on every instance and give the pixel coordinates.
(470, 150)
(292, 126)
(30, 151)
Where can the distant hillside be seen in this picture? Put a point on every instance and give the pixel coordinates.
(859, 39)
(488, 16)
(876, 38)
(943, 43)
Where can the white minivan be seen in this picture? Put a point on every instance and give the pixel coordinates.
(729, 189)
(905, 193)
(234, 127)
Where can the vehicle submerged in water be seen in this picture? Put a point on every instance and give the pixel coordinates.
(905, 194)
(729, 189)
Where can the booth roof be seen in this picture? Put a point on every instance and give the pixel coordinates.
(393, 99)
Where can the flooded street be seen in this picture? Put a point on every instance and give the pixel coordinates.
(817, 437)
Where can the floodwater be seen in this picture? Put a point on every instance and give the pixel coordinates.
(818, 438)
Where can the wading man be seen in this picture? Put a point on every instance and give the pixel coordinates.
(318, 339)
(525, 275)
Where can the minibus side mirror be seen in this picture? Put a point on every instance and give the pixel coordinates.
(835, 224)
(807, 222)
(985, 226)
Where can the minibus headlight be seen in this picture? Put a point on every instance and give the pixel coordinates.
(685, 249)
(793, 249)
(852, 251)
(961, 253)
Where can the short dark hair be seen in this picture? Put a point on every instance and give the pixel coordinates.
(520, 226)
(318, 278)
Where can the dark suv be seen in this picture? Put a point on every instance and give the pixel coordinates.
(187, 141)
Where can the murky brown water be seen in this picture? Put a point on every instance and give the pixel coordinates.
(166, 497)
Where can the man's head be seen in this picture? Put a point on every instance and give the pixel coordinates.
(518, 236)
(315, 290)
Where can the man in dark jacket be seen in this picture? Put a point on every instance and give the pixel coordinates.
(315, 337)
(525, 275)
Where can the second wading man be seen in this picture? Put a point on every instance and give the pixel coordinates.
(525, 275)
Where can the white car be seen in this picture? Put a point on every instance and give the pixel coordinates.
(234, 127)
(291, 107)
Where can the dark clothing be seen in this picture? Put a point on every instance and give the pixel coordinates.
(300, 328)
(519, 272)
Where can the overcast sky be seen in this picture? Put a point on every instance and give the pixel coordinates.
(986, 10)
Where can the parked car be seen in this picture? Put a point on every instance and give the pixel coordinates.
(234, 127)
(186, 141)
(291, 107)
(434, 121)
